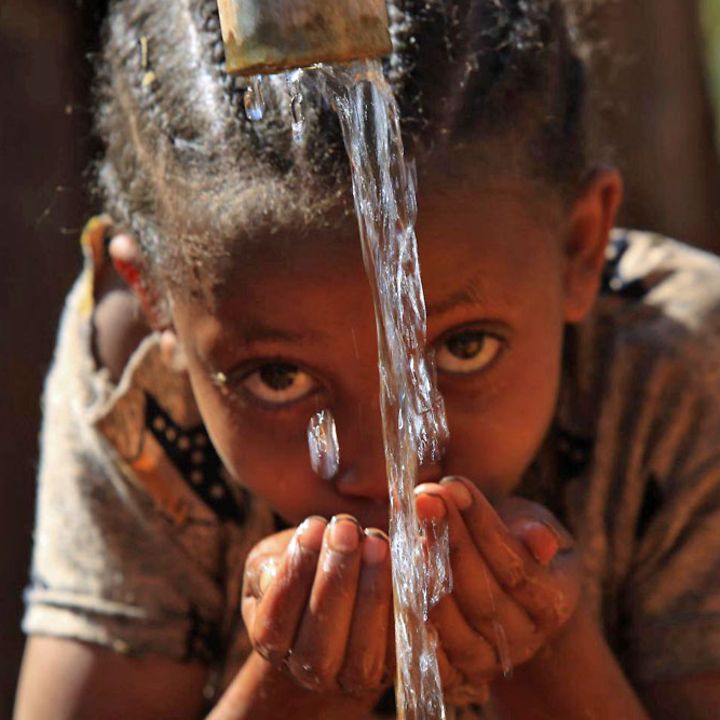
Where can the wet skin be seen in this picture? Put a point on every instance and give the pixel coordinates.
(292, 331)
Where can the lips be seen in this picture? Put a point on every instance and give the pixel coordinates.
(369, 513)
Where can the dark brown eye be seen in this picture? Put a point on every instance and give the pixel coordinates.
(279, 383)
(467, 352)
(279, 376)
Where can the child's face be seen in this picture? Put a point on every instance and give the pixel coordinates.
(293, 331)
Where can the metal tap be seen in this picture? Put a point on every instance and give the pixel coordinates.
(267, 36)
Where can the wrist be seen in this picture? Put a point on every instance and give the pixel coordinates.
(262, 691)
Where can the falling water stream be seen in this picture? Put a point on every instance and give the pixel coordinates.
(413, 416)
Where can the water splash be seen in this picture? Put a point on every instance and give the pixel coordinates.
(294, 79)
(414, 425)
(502, 648)
(323, 445)
(254, 100)
(438, 568)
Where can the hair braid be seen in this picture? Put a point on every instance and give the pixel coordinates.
(186, 169)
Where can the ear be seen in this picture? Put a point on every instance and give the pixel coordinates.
(128, 263)
(592, 218)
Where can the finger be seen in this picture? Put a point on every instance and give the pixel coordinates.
(542, 543)
(450, 677)
(319, 647)
(553, 547)
(482, 601)
(458, 690)
(545, 596)
(467, 650)
(536, 527)
(364, 663)
(278, 612)
(390, 654)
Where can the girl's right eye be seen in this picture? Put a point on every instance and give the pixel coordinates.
(278, 383)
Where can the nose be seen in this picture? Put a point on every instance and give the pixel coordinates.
(362, 454)
(430, 473)
(363, 470)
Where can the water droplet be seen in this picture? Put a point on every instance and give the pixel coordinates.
(254, 100)
(501, 644)
(298, 124)
(503, 650)
(438, 574)
(293, 79)
(323, 445)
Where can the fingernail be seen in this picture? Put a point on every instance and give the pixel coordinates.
(565, 540)
(266, 577)
(375, 547)
(429, 507)
(458, 491)
(344, 534)
(310, 533)
(542, 541)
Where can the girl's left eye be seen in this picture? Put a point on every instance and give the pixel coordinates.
(279, 383)
(467, 351)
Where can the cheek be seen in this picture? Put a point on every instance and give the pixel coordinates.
(496, 433)
(271, 465)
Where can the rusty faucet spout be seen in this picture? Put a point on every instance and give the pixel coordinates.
(267, 36)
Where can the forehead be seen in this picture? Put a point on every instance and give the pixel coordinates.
(494, 238)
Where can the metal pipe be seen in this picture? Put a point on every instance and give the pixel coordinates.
(267, 36)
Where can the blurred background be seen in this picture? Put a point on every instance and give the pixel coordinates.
(657, 72)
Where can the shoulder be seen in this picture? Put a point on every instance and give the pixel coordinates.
(642, 392)
(660, 291)
(641, 386)
(655, 328)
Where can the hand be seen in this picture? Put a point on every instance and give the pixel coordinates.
(516, 582)
(317, 601)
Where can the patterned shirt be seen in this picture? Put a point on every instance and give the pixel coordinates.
(141, 536)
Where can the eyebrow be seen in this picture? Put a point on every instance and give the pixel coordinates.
(470, 294)
(259, 332)
(222, 348)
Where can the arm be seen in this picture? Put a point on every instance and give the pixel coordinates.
(692, 698)
(68, 680)
(576, 676)
(579, 677)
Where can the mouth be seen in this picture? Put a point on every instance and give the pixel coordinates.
(369, 513)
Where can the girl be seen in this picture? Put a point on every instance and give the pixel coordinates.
(581, 484)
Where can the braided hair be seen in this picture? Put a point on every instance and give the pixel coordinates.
(190, 175)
